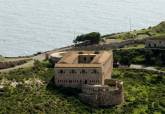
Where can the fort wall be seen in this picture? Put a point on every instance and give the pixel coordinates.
(114, 45)
(155, 43)
(75, 77)
(103, 95)
(86, 67)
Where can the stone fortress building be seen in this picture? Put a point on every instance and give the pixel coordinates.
(90, 71)
(157, 42)
(78, 68)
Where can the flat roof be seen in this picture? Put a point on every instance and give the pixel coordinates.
(57, 54)
(69, 59)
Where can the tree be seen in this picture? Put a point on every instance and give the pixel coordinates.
(92, 38)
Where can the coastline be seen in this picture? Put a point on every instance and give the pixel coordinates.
(120, 36)
(39, 53)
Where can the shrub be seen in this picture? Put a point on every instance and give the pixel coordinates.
(93, 38)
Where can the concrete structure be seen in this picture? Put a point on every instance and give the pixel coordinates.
(86, 67)
(155, 43)
(88, 70)
(55, 57)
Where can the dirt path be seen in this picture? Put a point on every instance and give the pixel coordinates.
(39, 57)
(28, 64)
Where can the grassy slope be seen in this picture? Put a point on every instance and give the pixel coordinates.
(144, 94)
(143, 33)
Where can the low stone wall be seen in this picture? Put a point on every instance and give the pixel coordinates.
(10, 64)
(114, 45)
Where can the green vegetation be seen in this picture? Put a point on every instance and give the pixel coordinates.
(159, 29)
(144, 91)
(36, 94)
(134, 46)
(140, 56)
(140, 34)
(92, 38)
(1, 58)
(130, 56)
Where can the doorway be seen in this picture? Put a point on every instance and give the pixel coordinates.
(85, 81)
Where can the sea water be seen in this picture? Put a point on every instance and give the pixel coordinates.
(30, 26)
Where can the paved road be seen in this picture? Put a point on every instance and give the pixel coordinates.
(149, 68)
